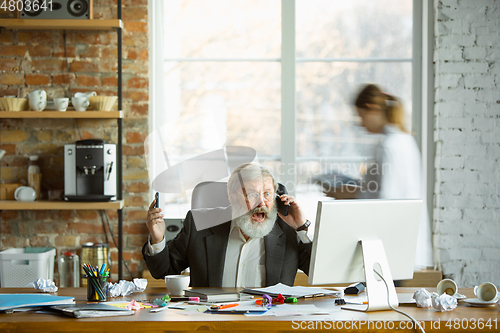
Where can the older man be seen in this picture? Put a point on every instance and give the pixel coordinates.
(257, 247)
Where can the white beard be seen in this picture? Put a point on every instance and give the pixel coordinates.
(243, 220)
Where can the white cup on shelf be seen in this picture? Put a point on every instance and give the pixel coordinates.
(38, 100)
(61, 104)
(80, 103)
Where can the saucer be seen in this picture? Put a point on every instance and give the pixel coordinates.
(459, 296)
(477, 302)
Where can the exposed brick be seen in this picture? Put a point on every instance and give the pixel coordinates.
(138, 83)
(52, 65)
(13, 50)
(63, 78)
(137, 188)
(137, 54)
(7, 37)
(135, 175)
(133, 26)
(134, 14)
(111, 81)
(83, 66)
(40, 50)
(135, 137)
(39, 37)
(90, 51)
(136, 162)
(8, 65)
(94, 38)
(136, 228)
(37, 79)
(109, 53)
(59, 51)
(85, 228)
(142, 109)
(87, 81)
(136, 96)
(42, 241)
(13, 136)
(133, 150)
(136, 215)
(8, 215)
(87, 214)
(10, 149)
(12, 78)
(66, 241)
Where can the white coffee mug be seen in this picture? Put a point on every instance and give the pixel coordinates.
(486, 292)
(24, 193)
(447, 286)
(80, 103)
(37, 100)
(61, 104)
(176, 284)
(38, 94)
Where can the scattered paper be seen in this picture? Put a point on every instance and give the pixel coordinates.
(423, 298)
(443, 302)
(125, 288)
(47, 286)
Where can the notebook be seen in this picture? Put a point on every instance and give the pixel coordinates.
(13, 301)
(212, 294)
(91, 310)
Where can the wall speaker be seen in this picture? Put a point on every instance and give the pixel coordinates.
(172, 227)
(62, 9)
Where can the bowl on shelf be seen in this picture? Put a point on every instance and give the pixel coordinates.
(102, 103)
(13, 104)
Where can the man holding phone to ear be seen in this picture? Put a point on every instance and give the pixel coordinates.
(256, 246)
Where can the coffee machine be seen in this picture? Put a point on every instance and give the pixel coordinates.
(90, 171)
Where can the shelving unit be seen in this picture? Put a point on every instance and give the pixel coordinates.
(83, 25)
(58, 205)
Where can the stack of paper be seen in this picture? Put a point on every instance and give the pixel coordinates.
(297, 291)
(13, 301)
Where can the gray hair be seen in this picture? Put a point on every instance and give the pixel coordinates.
(246, 173)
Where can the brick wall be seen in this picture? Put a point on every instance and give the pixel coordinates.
(32, 60)
(467, 122)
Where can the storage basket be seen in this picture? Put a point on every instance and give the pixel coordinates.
(20, 266)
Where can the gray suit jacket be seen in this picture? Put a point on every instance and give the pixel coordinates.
(204, 252)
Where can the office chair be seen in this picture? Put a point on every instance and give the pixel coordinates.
(210, 195)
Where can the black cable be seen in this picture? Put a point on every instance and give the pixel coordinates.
(67, 63)
(104, 226)
(114, 241)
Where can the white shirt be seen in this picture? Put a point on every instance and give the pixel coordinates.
(245, 264)
(399, 177)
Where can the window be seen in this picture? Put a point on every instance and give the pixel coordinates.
(235, 72)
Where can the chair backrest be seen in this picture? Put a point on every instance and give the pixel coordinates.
(210, 195)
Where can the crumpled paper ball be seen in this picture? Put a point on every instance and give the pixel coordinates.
(133, 305)
(47, 286)
(443, 302)
(423, 298)
(125, 288)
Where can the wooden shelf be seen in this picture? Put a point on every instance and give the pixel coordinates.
(40, 24)
(58, 205)
(60, 114)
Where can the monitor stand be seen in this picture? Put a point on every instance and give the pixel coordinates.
(374, 259)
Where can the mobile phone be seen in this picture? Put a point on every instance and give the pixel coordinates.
(157, 198)
(282, 208)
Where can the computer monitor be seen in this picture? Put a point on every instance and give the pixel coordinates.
(354, 237)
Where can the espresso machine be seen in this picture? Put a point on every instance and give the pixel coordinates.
(90, 171)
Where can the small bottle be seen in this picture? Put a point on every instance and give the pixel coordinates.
(69, 269)
(34, 175)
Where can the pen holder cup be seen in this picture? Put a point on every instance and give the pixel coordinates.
(97, 288)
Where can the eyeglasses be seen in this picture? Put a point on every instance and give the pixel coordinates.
(255, 196)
